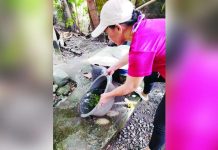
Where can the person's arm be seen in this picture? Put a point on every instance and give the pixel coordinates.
(129, 86)
(122, 62)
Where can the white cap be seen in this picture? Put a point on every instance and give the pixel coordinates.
(112, 13)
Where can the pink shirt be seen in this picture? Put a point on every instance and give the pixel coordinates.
(148, 49)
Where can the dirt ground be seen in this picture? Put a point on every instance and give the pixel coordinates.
(76, 45)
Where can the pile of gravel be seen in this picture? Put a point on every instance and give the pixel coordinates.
(138, 131)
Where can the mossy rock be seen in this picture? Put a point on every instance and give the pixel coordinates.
(60, 77)
(64, 90)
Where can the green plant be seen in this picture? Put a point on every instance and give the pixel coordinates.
(85, 10)
(60, 11)
(94, 99)
(99, 4)
(69, 22)
(76, 2)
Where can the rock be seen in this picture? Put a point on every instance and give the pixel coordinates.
(102, 121)
(76, 51)
(55, 86)
(65, 90)
(60, 77)
(88, 36)
(131, 146)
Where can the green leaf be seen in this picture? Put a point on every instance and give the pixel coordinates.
(69, 22)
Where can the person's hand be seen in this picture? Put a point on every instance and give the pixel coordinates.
(104, 98)
(111, 70)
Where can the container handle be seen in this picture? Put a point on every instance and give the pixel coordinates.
(109, 78)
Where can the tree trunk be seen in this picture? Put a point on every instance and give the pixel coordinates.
(73, 10)
(91, 23)
(77, 18)
(67, 11)
(93, 12)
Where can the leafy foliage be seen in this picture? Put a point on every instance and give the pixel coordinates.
(76, 2)
(94, 99)
(60, 10)
(99, 4)
(69, 22)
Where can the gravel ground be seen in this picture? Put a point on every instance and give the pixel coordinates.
(137, 133)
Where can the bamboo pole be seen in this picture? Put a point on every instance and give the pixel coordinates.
(146, 4)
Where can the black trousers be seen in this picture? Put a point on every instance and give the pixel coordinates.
(148, 80)
(158, 136)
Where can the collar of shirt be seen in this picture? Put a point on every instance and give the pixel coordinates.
(137, 24)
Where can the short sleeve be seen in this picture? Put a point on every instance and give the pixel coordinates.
(140, 63)
(147, 51)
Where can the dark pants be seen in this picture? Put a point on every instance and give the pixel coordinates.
(148, 80)
(158, 135)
